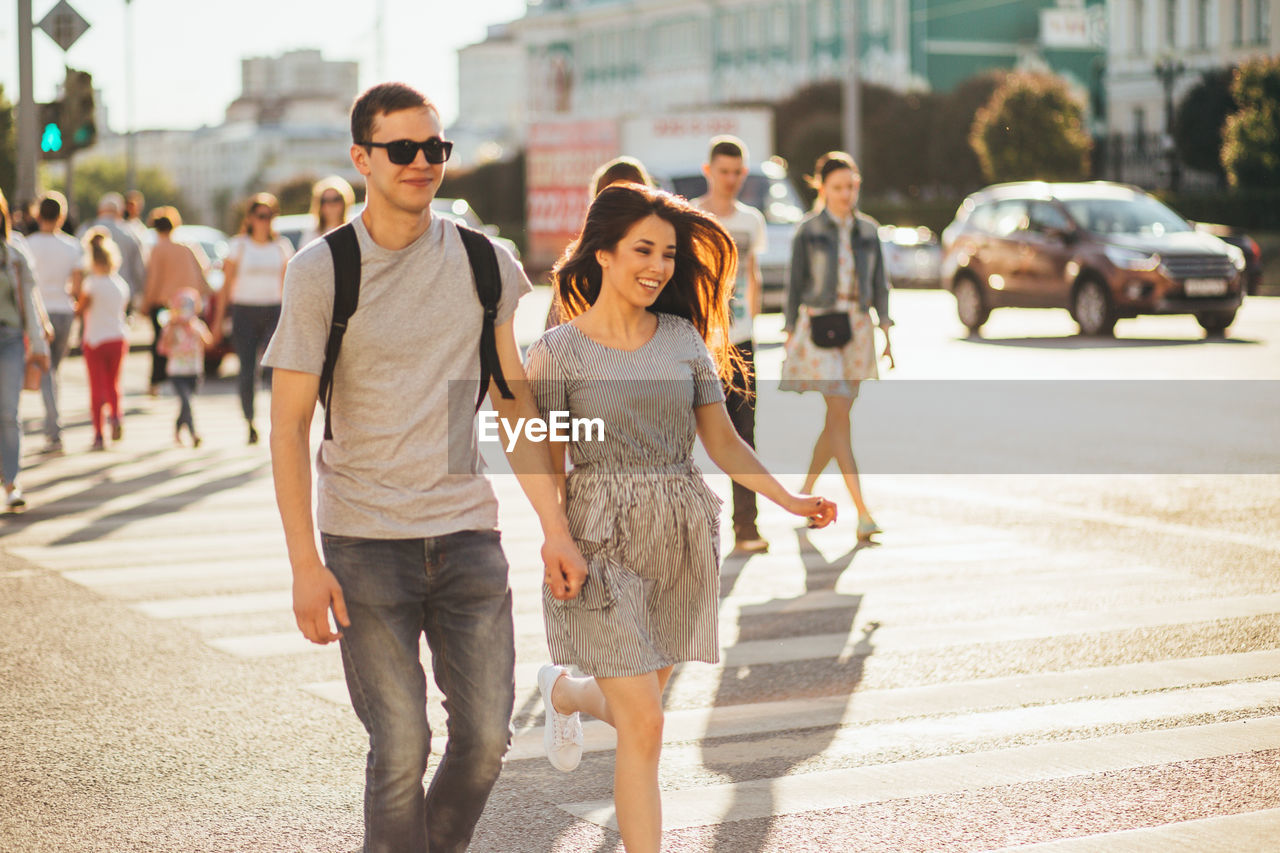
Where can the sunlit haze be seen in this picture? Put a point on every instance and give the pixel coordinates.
(187, 54)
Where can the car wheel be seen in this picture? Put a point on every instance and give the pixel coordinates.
(1215, 323)
(971, 305)
(1091, 307)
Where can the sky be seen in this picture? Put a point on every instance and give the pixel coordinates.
(187, 54)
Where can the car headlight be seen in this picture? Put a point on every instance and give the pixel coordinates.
(1129, 259)
(1236, 256)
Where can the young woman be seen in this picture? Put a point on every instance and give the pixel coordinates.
(21, 315)
(644, 348)
(253, 286)
(104, 299)
(837, 277)
(331, 200)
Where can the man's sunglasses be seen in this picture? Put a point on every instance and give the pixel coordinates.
(402, 152)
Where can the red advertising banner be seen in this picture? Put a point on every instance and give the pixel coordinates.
(561, 157)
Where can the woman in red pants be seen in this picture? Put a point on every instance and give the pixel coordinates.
(102, 304)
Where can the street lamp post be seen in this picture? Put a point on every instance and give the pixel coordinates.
(1168, 70)
(130, 149)
(852, 105)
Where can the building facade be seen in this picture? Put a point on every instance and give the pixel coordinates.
(610, 58)
(290, 120)
(1186, 37)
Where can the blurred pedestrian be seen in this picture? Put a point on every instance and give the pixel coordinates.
(21, 316)
(253, 284)
(182, 342)
(135, 203)
(644, 348)
(104, 298)
(132, 265)
(59, 270)
(618, 170)
(331, 200)
(837, 278)
(726, 172)
(174, 267)
(410, 542)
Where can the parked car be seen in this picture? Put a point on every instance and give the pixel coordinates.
(211, 247)
(1101, 250)
(294, 225)
(1247, 245)
(912, 256)
(768, 190)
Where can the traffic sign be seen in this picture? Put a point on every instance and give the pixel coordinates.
(64, 25)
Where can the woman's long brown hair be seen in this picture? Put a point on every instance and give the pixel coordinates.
(705, 265)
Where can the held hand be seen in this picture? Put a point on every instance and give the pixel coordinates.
(818, 510)
(39, 359)
(565, 571)
(314, 592)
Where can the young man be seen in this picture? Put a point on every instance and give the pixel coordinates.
(410, 545)
(726, 171)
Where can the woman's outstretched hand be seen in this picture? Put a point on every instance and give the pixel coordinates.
(819, 511)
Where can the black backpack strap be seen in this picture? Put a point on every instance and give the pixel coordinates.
(484, 268)
(345, 248)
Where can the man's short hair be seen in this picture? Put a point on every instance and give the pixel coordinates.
(727, 146)
(111, 201)
(53, 206)
(379, 100)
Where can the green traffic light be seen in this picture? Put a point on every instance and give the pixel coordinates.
(51, 139)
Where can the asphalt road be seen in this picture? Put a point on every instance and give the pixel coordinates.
(1030, 660)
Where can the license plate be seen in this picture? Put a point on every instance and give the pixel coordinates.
(1205, 286)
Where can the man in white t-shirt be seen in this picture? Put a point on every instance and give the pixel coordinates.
(410, 539)
(59, 271)
(726, 172)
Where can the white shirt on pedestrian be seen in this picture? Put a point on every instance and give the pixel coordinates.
(104, 319)
(57, 255)
(747, 228)
(259, 269)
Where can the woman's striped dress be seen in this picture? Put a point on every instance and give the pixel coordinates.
(643, 517)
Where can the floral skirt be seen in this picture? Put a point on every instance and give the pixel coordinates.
(833, 370)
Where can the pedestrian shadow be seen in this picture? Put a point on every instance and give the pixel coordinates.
(743, 758)
(104, 490)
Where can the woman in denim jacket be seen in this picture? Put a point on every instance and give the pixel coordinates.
(836, 267)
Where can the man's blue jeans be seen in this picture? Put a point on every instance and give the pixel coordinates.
(454, 590)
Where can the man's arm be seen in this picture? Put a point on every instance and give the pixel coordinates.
(315, 589)
(565, 569)
(755, 285)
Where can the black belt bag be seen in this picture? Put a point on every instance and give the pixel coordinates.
(830, 330)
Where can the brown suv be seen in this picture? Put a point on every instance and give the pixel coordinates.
(1102, 251)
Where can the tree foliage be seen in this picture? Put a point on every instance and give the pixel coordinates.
(1032, 128)
(1251, 139)
(1200, 119)
(95, 177)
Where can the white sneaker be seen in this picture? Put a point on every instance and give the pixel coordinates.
(14, 501)
(562, 734)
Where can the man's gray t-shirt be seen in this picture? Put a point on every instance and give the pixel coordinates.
(386, 472)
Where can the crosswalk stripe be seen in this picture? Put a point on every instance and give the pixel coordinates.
(867, 636)
(528, 587)
(713, 804)
(1249, 832)
(874, 706)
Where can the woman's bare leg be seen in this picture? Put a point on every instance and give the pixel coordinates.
(839, 432)
(633, 706)
(821, 458)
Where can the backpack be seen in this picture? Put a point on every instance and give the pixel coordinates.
(345, 248)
